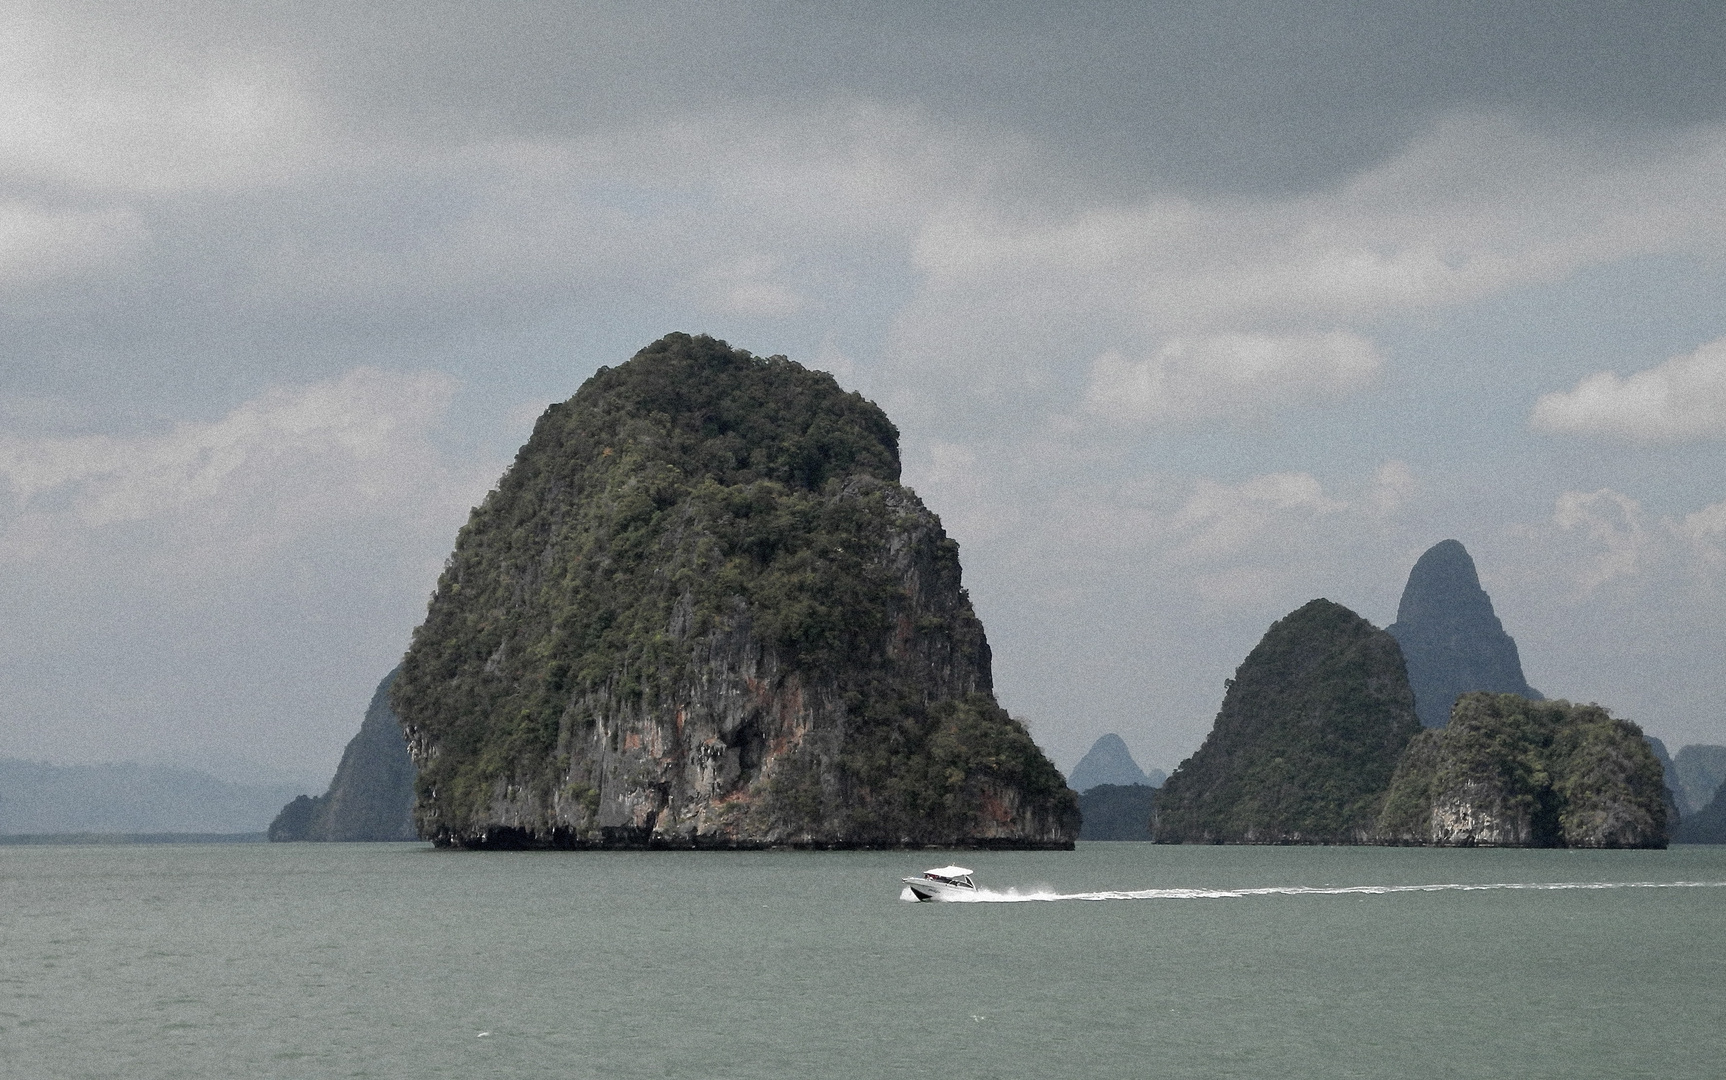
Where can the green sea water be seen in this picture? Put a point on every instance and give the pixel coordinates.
(353, 960)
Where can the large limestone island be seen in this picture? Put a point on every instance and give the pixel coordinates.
(700, 610)
(1317, 742)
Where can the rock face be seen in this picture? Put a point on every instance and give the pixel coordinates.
(1509, 772)
(699, 610)
(1701, 771)
(1305, 744)
(1450, 637)
(372, 795)
(1707, 825)
(1116, 812)
(1669, 780)
(1110, 762)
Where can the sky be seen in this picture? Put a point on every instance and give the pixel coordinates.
(1187, 314)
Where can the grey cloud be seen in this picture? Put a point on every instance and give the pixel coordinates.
(1681, 400)
(984, 210)
(1255, 95)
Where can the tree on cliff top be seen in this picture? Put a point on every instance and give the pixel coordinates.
(1306, 740)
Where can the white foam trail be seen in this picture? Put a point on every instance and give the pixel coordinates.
(1014, 896)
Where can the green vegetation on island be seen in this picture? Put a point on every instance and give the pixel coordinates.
(700, 610)
(1306, 741)
(1510, 772)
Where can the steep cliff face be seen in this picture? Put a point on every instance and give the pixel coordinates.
(1701, 772)
(1450, 636)
(700, 610)
(1707, 825)
(1509, 772)
(1306, 741)
(1110, 762)
(371, 797)
(1669, 778)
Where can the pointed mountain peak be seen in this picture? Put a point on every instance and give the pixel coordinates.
(1451, 638)
(1444, 586)
(1109, 762)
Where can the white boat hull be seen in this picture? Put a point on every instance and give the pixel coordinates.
(928, 889)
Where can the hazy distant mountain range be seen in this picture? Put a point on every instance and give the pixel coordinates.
(129, 798)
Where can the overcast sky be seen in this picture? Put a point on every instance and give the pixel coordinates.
(1187, 314)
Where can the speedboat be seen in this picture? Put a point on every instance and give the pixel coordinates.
(943, 883)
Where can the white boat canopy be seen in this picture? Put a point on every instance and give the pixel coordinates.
(949, 872)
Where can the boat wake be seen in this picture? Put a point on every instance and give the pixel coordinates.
(1016, 896)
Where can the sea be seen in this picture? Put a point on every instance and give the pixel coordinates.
(1114, 960)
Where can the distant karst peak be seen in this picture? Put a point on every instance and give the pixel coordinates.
(1110, 762)
(1451, 638)
(371, 797)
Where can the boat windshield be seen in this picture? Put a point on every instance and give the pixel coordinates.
(948, 873)
(952, 875)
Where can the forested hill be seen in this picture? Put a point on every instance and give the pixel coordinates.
(1305, 744)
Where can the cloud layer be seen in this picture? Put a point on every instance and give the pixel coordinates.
(1681, 400)
(176, 578)
(1185, 314)
(1192, 379)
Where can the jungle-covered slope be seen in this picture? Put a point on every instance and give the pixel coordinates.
(1305, 744)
